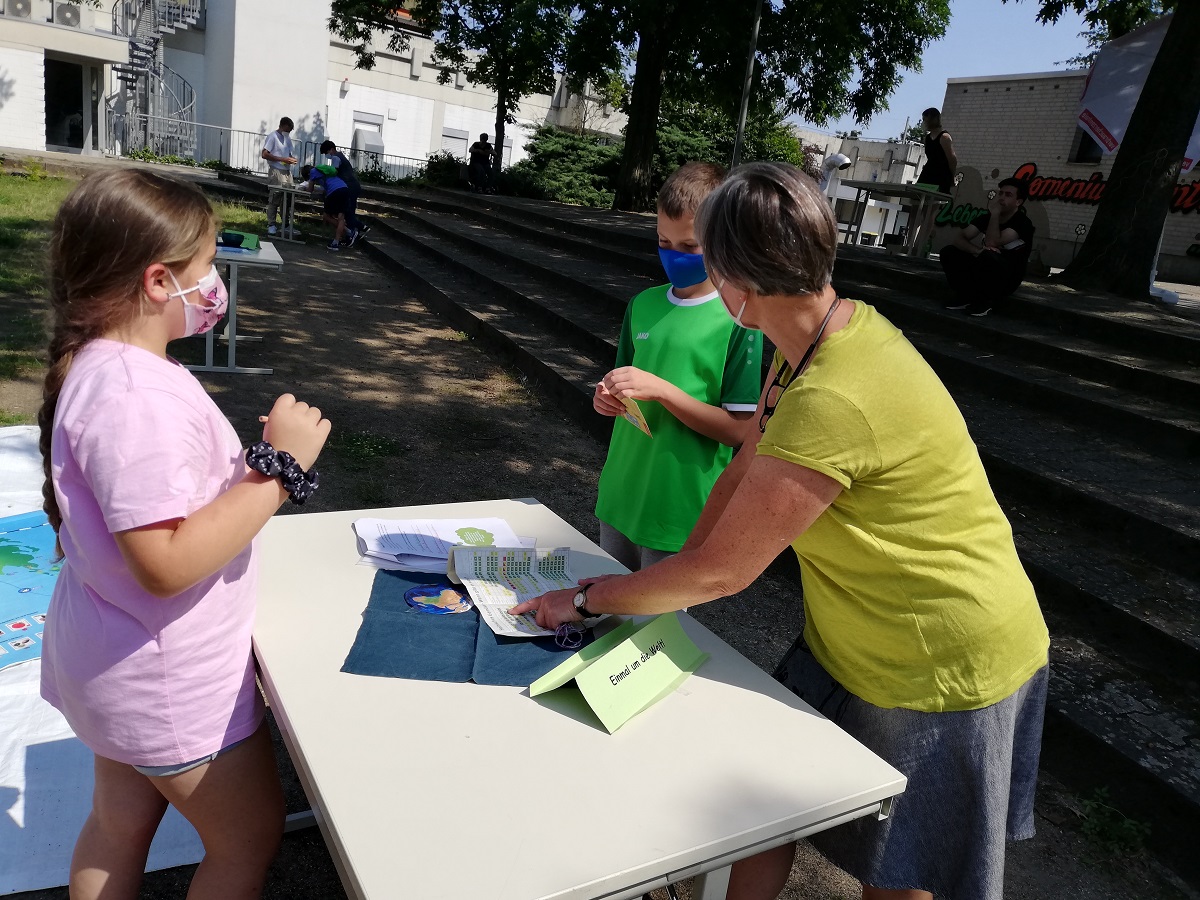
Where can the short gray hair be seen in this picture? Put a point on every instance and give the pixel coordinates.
(769, 229)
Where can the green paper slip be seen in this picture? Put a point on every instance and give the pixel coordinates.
(629, 669)
(249, 241)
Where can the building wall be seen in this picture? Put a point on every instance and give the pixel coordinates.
(879, 161)
(22, 97)
(1002, 123)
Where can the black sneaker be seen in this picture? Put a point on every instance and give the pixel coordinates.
(363, 230)
(353, 237)
(978, 309)
(333, 245)
(958, 306)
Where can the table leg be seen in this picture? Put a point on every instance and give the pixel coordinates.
(231, 329)
(711, 885)
(209, 347)
(910, 242)
(861, 213)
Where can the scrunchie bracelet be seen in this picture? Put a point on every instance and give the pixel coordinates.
(300, 485)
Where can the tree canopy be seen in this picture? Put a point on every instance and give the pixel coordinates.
(818, 61)
(510, 46)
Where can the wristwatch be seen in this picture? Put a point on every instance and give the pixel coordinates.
(580, 602)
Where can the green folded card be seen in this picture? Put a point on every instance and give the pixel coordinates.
(249, 241)
(629, 669)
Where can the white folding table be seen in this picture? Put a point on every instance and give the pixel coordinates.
(433, 790)
(865, 190)
(234, 258)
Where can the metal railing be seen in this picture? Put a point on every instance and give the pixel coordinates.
(210, 145)
(384, 167)
(187, 141)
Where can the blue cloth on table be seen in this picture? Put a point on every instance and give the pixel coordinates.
(395, 640)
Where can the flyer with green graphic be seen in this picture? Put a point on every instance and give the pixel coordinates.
(423, 545)
(629, 669)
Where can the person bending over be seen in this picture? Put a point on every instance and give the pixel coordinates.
(924, 639)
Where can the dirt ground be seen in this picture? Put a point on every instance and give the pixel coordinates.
(422, 415)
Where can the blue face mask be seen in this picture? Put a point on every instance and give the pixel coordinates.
(683, 269)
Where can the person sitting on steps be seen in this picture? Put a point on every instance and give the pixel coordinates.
(983, 275)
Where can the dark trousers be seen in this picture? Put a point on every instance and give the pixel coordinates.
(352, 218)
(480, 174)
(988, 278)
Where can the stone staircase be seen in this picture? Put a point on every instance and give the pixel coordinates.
(1084, 410)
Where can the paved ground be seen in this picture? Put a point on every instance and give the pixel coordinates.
(421, 415)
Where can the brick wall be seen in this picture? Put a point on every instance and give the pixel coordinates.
(1001, 123)
(22, 98)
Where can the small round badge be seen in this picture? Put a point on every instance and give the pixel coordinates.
(440, 599)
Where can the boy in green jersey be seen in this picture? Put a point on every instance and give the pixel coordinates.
(696, 375)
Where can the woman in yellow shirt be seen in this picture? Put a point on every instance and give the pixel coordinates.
(923, 636)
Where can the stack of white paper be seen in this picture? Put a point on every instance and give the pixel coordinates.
(423, 545)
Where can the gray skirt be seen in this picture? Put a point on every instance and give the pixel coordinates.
(971, 781)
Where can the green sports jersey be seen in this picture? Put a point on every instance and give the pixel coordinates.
(653, 488)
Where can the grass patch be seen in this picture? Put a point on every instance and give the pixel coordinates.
(7, 418)
(27, 208)
(14, 365)
(239, 217)
(362, 450)
(1111, 832)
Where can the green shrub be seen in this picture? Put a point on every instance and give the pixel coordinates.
(443, 168)
(566, 167)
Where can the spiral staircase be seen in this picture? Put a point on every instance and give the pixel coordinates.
(153, 106)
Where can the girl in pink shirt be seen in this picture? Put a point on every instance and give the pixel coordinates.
(147, 642)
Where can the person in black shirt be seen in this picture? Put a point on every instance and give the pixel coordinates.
(983, 274)
(940, 166)
(346, 172)
(940, 161)
(480, 168)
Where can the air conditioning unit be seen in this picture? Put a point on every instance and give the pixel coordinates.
(19, 9)
(66, 14)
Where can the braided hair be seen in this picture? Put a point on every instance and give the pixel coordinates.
(110, 228)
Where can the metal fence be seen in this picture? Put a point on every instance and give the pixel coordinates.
(186, 141)
(237, 149)
(385, 167)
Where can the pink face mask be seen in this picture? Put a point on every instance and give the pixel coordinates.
(201, 317)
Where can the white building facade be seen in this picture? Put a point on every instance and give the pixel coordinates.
(238, 67)
(884, 162)
(55, 65)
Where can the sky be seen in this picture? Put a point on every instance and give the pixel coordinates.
(985, 37)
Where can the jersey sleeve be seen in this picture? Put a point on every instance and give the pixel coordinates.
(625, 341)
(145, 456)
(822, 430)
(742, 381)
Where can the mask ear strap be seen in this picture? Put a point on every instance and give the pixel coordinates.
(179, 291)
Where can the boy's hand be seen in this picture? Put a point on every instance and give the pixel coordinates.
(630, 381)
(298, 428)
(605, 403)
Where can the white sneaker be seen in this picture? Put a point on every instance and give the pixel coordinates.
(272, 231)
(293, 231)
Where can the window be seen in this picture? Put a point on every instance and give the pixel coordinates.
(1084, 148)
(455, 141)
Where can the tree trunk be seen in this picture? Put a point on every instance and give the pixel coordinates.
(502, 96)
(635, 188)
(1118, 254)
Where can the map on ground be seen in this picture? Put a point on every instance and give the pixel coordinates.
(28, 571)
